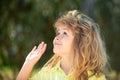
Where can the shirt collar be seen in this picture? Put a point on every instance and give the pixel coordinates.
(57, 67)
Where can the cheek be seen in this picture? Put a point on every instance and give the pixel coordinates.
(68, 45)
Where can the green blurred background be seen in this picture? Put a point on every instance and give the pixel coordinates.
(25, 23)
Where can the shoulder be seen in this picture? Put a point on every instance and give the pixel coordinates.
(45, 69)
(40, 74)
(95, 77)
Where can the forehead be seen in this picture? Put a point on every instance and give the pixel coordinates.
(63, 27)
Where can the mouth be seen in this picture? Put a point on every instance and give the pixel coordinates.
(55, 44)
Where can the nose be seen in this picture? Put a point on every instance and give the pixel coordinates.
(57, 37)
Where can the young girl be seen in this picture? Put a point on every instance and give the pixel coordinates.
(79, 52)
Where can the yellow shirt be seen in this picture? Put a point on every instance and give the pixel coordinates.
(56, 73)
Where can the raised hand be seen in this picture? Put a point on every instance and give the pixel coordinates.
(36, 53)
(31, 60)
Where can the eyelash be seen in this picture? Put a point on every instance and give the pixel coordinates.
(57, 33)
(65, 33)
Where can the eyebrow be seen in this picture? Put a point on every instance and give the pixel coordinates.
(63, 29)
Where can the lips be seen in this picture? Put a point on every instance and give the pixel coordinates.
(57, 43)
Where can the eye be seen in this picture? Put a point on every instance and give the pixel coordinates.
(57, 33)
(65, 33)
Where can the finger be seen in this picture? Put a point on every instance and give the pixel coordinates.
(33, 48)
(31, 52)
(43, 49)
(40, 44)
(40, 49)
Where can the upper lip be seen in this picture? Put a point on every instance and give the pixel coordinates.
(55, 43)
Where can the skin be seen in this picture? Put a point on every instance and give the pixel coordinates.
(63, 46)
(31, 60)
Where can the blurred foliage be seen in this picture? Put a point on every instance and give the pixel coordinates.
(25, 23)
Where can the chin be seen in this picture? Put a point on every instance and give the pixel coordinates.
(56, 51)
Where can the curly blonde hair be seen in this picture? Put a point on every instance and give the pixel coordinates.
(90, 53)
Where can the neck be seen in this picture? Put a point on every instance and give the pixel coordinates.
(66, 64)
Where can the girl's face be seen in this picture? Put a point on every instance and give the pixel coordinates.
(63, 41)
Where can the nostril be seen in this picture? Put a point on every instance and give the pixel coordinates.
(57, 38)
